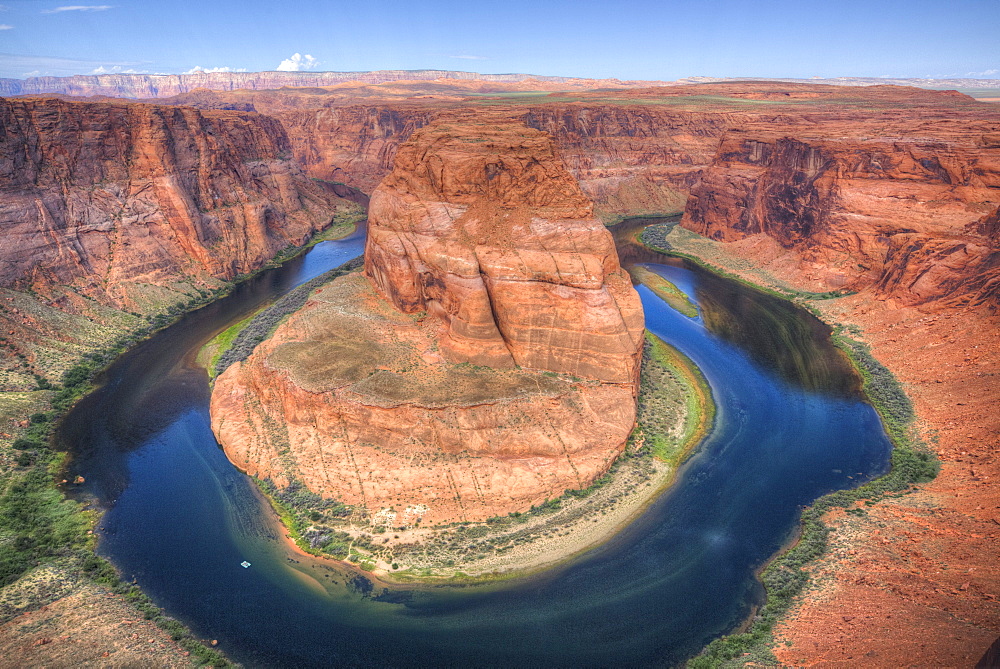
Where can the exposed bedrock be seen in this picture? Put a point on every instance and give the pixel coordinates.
(914, 219)
(487, 360)
(122, 200)
(482, 226)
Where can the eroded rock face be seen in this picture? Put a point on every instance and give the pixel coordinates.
(914, 219)
(481, 226)
(122, 200)
(481, 252)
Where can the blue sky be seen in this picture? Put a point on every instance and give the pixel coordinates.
(663, 39)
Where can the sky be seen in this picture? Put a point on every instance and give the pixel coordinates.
(644, 39)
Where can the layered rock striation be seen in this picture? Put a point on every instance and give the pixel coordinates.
(123, 201)
(911, 218)
(481, 226)
(486, 361)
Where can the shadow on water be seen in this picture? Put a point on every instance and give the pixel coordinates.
(772, 331)
(180, 519)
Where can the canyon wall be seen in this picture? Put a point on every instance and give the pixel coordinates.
(632, 160)
(353, 144)
(901, 205)
(630, 157)
(911, 216)
(121, 201)
(486, 361)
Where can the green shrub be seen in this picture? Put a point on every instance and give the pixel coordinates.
(23, 444)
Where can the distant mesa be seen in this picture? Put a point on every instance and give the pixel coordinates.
(167, 85)
(149, 86)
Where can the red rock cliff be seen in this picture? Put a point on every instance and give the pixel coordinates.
(910, 213)
(483, 250)
(120, 201)
(481, 225)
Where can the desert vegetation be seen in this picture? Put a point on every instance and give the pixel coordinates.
(244, 337)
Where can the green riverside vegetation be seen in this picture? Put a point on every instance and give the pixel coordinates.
(39, 525)
(244, 337)
(665, 290)
(675, 412)
(655, 237)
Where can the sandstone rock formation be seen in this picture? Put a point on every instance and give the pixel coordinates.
(915, 219)
(487, 360)
(886, 190)
(481, 226)
(122, 201)
(633, 151)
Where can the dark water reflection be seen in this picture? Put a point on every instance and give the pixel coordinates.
(180, 518)
(772, 331)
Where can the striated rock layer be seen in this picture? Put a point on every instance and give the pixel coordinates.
(914, 218)
(486, 361)
(905, 212)
(121, 201)
(484, 228)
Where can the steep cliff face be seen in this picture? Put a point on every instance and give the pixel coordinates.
(632, 160)
(481, 225)
(121, 201)
(626, 160)
(354, 144)
(483, 250)
(629, 158)
(911, 217)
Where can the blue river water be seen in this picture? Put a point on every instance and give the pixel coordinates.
(180, 519)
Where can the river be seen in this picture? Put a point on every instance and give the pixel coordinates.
(180, 519)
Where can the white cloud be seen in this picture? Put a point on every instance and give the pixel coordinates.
(297, 63)
(984, 73)
(470, 57)
(77, 8)
(198, 68)
(116, 69)
(33, 73)
(4, 26)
